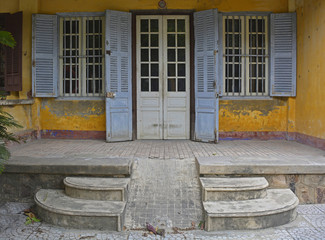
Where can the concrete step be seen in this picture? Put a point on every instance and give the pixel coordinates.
(232, 189)
(277, 208)
(54, 207)
(105, 189)
(94, 166)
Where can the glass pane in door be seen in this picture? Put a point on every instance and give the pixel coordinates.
(149, 58)
(176, 55)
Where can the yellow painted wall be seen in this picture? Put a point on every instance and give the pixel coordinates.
(9, 6)
(310, 101)
(50, 114)
(23, 113)
(50, 6)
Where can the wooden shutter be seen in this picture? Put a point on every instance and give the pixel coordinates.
(283, 54)
(45, 61)
(118, 72)
(206, 87)
(13, 56)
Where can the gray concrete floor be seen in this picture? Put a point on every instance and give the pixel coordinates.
(164, 189)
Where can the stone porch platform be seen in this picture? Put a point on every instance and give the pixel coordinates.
(44, 163)
(165, 189)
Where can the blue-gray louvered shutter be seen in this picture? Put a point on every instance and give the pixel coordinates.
(118, 76)
(206, 85)
(283, 54)
(44, 55)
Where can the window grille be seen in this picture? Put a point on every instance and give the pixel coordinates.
(81, 56)
(245, 44)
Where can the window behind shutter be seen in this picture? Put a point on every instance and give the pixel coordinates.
(45, 61)
(13, 56)
(283, 54)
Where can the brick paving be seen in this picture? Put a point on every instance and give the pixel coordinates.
(165, 193)
(162, 149)
(164, 189)
(310, 225)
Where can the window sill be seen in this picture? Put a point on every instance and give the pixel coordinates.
(246, 98)
(79, 98)
(12, 102)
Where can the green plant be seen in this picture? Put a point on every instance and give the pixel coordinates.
(7, 39)
(31, 217)
(6, 121)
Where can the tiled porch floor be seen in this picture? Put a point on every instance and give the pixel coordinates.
(163, 149)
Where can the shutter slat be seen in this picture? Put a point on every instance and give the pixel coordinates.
(45, 61)
(283, 54)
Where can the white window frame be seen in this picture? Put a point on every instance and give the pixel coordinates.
(82, 55)
(245, 57)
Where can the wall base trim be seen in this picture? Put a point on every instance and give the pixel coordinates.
(310, 140)
(274, 135)
(271, 135)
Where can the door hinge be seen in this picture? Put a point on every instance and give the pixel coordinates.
(108, 52)
(215, 52)
(217, 95)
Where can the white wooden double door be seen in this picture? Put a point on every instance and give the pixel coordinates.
(163, 77)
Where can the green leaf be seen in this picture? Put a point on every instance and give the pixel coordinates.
(28, 221)
(7, 39)
(36, 219)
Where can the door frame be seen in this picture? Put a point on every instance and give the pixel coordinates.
(134, 64)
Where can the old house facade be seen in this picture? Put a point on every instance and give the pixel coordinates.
(201, 70)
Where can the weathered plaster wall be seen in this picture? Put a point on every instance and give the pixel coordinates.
(73, 115)
(48, 114)
(310, 102)
(253, 115)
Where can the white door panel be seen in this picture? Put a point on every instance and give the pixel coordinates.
(163, 77)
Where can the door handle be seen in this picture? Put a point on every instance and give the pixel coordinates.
(110, 95)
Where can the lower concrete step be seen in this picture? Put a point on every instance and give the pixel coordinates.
(54, 207)
(232, 189)
(277, 208)
(105, 189)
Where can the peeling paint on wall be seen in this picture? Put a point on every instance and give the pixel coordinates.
(72, 115)
(74, 108)
(245, 107)
(253, 115)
